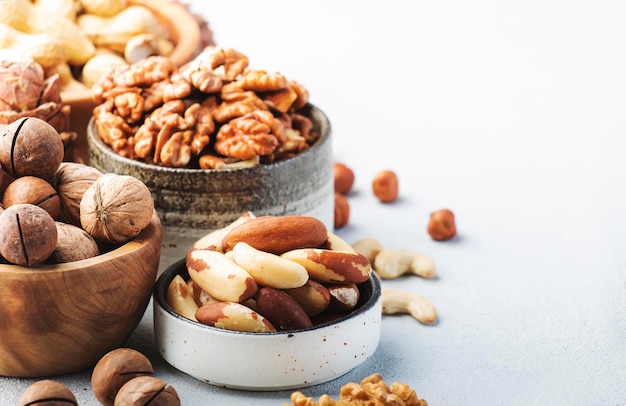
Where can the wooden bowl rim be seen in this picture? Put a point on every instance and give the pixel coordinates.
(137, 244)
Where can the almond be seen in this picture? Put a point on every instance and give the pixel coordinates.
(278, 234)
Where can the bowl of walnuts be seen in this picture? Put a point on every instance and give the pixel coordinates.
(79, 252)
(213, 139)
(268, 303)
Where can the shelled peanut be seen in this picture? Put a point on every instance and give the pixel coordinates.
(55, 211)
(269, 273)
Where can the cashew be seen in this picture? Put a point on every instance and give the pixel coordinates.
(180, 298)
(391, 263)
(369, 247)
(269, 269)
(399, 301)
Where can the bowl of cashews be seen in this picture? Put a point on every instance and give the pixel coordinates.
(268, 303)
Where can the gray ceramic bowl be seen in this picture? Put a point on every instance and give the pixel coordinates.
(193, 201)
(267, 361)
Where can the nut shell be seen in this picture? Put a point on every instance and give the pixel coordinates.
(73, 244)
(31, 146)
(33, 190)
(116, 208)
(70, 181)
(28, 234)
(115, 369)
(47, 392)
(147, 391)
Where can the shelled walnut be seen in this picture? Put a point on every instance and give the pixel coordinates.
(210, 111)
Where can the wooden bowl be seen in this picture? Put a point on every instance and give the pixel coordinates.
(58, 319)
(185, 34)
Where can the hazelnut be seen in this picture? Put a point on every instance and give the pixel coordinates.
(441, 226)
(385, 186)
(342, 210)
(344, 177)
(33, 190)
(28, 234)
(70, 181)
(115, 369)
(147, 391)
(30, 146)
(73, 244)
(47, 392)
(116, 208)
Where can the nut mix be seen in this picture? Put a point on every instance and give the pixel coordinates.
(269, 273)
(211, 113)
(45, 200)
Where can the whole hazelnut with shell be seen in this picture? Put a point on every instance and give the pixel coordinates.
(33, 190)
(70, 181)
(28, 234)
(116, 368)
(116, 208)
(30, 146)
(47, 392)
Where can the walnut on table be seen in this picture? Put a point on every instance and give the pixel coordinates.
(208, 114)
(372, 391)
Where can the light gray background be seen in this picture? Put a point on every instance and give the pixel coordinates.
(512, 115)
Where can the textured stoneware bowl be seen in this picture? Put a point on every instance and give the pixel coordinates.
(266, 361)
(186, 36)
(193, 201)
(58, 319)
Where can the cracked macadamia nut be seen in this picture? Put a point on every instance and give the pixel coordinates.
(28, 234)
(385, 186)
(147, 391)
(115, 369)
(441, 226)
(31, 146)
(47, 392)
(116, 208)
(33, 190)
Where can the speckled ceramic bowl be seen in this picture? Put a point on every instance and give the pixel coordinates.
(266, 361)
(193, 201)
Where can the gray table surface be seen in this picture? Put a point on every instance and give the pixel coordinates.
(512, 115)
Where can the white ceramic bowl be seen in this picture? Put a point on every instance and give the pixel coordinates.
(266, 361)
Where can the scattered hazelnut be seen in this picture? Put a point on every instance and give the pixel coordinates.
(385, 186)
(28, 234)
(441, 226)
(342, 210)
(30, 146)
(344, 178)
(115, 369)
(33, 190)
(47, 392)
(147, 391)
(116, 208)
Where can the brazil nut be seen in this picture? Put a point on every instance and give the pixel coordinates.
(330, 266)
